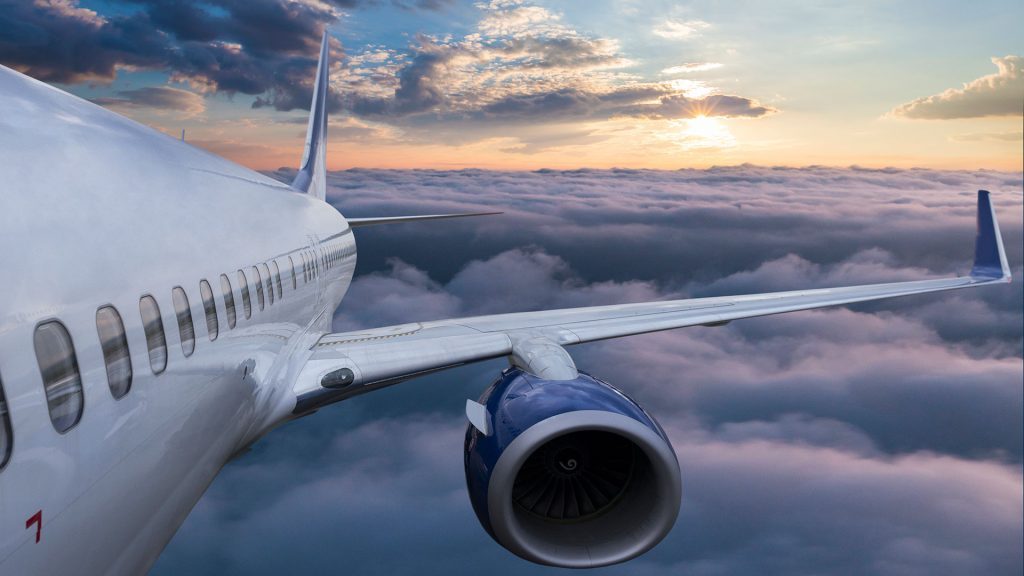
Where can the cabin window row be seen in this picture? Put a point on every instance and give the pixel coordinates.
(58, 363)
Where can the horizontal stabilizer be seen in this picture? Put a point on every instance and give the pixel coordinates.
(357, 222)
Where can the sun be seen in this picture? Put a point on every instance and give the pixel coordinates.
(701, 131)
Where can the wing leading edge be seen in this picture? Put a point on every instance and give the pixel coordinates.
(351, 363)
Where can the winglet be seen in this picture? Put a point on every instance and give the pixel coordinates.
(312, 176)
(989, 255)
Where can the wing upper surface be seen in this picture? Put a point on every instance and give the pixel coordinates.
(382, 356)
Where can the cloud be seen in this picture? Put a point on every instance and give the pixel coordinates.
(999, 94)
(58, 41)
(218, 46)
(157, 97)
(749, 504)
(634, 101)
(989, 137)
(680, 29)
(882, 438)
(683, 106)
(691, 67)
(519, 69)
(521, 65)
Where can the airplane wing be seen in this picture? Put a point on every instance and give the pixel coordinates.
(346, 364)
(357, 222)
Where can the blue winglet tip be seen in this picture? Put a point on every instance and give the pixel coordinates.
(989, 258)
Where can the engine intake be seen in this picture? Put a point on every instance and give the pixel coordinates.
(573, 473)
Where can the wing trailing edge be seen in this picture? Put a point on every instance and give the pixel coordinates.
(384, 356)
(312, 176)
(357, 222)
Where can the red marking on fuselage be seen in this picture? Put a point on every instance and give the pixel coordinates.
(36, 519)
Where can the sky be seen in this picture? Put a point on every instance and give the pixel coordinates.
(639, 151)
(523, 85)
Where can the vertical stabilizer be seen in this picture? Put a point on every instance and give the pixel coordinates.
(312, 176)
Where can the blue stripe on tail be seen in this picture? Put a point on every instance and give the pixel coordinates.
(312, 175)
(988, 258)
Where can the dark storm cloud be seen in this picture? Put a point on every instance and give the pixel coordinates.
(883, 439)
(61, 42)
(254, 47)
(223, 45)
(631, 101)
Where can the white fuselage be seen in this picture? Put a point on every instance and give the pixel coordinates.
(96, 210)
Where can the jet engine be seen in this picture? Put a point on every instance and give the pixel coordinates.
(569, 473)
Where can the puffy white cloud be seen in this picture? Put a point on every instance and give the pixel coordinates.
(680, 29)
(999, 94)
(690, 67)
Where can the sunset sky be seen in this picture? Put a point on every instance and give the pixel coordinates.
(824, 145)
(511, 84)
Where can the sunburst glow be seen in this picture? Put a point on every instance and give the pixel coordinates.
(700, 132)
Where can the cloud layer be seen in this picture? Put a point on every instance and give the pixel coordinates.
(881, 439)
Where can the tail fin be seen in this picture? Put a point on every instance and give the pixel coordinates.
(312, 176)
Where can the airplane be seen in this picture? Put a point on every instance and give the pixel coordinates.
(165, 308)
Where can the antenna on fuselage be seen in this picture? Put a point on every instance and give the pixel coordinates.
(182, 134)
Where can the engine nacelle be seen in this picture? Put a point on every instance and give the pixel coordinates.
(573, 473)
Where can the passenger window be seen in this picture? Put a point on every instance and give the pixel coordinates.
(247, 305)
(295, 280)
(210, 307)
(6, 436)
(61, 380)
(114, 344)
(184, 315)
(153, 326)
(229, 300)
(269, 281)
(277, 279)
(259, 287)
(305, 267)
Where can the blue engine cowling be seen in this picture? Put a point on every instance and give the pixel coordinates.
(574, 473)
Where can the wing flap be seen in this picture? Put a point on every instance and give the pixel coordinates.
(357, 222)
